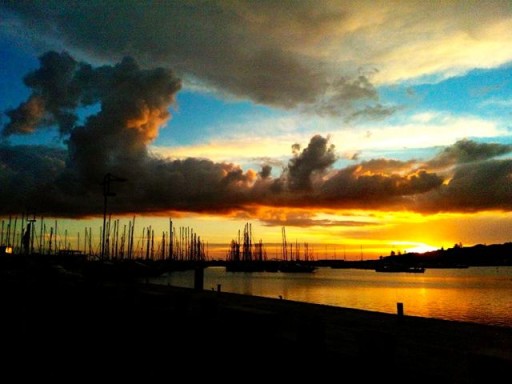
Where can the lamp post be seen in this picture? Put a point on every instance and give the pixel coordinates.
(106, 193)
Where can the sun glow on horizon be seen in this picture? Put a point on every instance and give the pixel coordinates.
(422, 248)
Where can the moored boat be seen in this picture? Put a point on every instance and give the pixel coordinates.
(399, 268)
(295, 267)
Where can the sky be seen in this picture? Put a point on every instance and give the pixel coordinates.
(362, 127)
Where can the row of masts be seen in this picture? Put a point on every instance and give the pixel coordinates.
(246, 250)
(180, 244)
(26, 235)
(243, 249)
(289, 253)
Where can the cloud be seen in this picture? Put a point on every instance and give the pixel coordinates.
(375, 166)
(474, 187)
(468, 151)
(56, 91)
(312, 161)
(134, 106)
(265, 172)
(129, 97)
(353, 187)
(416, 135)
(326, 55)
(349, 98)
(28, 174)
(266, 52)
(373, 112)
(26, 118)
(273, 217)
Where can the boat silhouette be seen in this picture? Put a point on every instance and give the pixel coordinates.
(399, 268)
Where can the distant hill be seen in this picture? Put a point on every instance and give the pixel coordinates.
(458, 256)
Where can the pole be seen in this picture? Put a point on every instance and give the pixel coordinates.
(105, 189)
(106, 193)
(400, 309)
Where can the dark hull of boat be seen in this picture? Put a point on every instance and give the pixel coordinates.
(392, 268)
(291, 267)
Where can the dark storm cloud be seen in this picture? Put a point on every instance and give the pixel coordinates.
(129, 97)
(28, 175)
(474, 187)
(43, 180)
(134, 105)
(265, 51)
(313, 161)
(265, 172)
(467, 151)
(59, 86)
(26, 118)
(352, 187)
(464, 177)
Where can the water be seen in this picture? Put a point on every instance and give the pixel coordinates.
(479, 294)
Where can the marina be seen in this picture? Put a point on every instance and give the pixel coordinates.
(433, 285)
(266, 191)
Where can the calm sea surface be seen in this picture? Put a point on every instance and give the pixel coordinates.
(479, 294)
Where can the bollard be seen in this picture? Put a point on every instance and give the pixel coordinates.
(198, 278)
(218, 287)
(400, 309)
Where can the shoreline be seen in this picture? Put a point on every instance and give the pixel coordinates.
(132, 322)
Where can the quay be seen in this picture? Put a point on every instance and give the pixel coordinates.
(131, 326)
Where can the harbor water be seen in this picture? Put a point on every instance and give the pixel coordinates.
(476, 294)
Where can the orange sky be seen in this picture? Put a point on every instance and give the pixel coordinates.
(348, 235)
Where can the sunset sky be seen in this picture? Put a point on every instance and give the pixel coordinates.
(360, 126)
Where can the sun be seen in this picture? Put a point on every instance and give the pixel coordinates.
(422, 248)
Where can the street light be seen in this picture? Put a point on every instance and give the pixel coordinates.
(106, 193)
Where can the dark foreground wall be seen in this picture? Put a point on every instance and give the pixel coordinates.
(61, 326)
